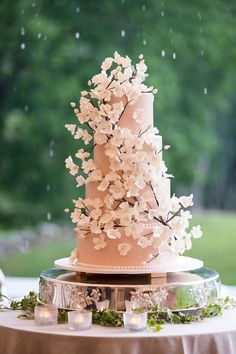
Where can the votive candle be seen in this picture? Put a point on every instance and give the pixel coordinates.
(79, 320)
(135, 321)
(45, 315)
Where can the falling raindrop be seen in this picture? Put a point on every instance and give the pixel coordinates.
(26, 108)
(48, 187)
(22, 31)
(33, 4)
(199, 15)
(202, 52)
(51, 153)
(200, 30)
(49, 216)
(22, 11)
(77, 9)
(45, 38)
(39, 35)
(162, 13)
(163, 53)
(77, 35)
(122, 1)
(171, 30)
(205, 91)
(122, 33)
(174, 56)
(144, 42)
(22, 46)
(144, 7)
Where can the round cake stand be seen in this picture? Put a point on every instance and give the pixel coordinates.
(179, 264)
(180, 291)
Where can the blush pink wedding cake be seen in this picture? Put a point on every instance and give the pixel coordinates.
(127, 218)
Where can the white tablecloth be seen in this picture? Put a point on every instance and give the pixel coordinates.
(211, 336)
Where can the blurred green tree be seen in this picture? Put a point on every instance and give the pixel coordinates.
(48, 51)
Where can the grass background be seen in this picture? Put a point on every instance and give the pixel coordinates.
(217, 248)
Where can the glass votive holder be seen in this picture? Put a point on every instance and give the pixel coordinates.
(45, 315)
(102, 305)
(79, 320)
(135, 321)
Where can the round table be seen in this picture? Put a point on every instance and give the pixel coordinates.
(211, 336)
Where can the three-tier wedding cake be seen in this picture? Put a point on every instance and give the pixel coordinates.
(128, 218)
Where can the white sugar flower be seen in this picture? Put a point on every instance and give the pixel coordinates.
(74, 255)
(88, 166)
(117, 190)
(75, 215)
(178, 246)
(111, 150)
(71, 128)
(117, 109)
(96, 175)
(99, 242)
(124, 248)
(109, 225)
(174, 204)
(125, 75)
(139, 116)
(101, 93)
(139, 182)
(80, 181)
(79, 133)
(100, 138)
(109, 200)
(105, 218)
(94, 227)
(188, 242)
(112, 176)
(133, 229)
(71, 166)
(124, 61)
(107, 63)
(115, 165)
(113, 233)
(100, 79)
(131, 188)
(86, 137)
(96, 213)
(186, 201)
(81, 154)
(79, 203)
(96, 203)
(132, 93)
(73, 104)
(196, 231)
(103, 185)
(104, 127)
(143, 242)
(125, 217)
(118, 89)
(117, 137)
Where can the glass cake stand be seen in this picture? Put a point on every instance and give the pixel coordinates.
(73, 287)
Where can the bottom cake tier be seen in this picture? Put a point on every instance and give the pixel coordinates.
(178, 290)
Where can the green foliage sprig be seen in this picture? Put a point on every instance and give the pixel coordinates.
(109, 318)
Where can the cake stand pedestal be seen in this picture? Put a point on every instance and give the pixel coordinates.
(182, 290)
